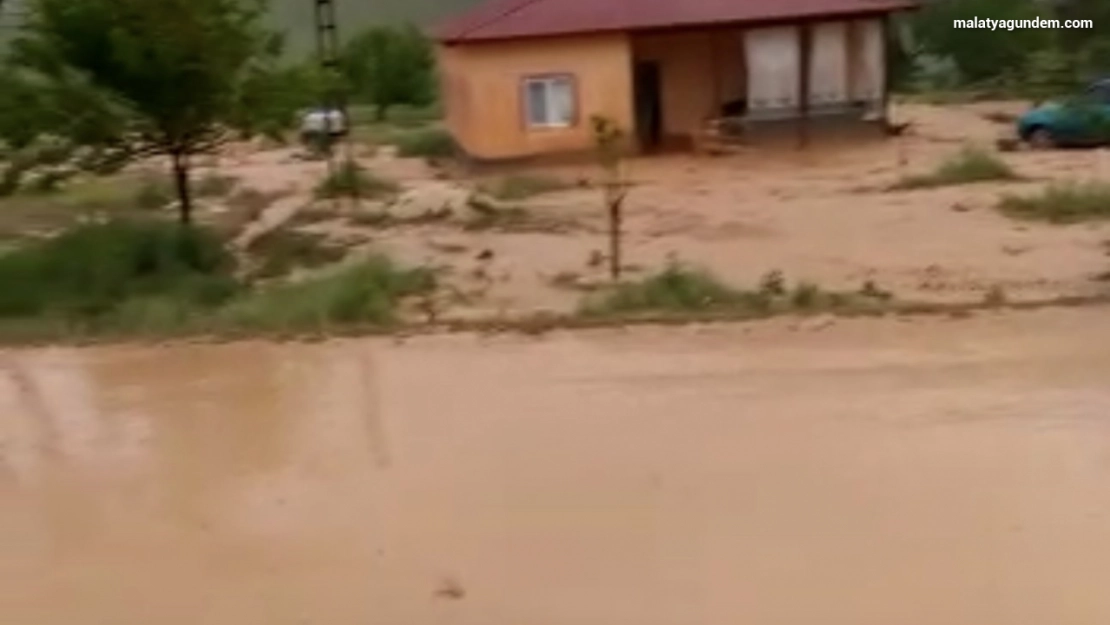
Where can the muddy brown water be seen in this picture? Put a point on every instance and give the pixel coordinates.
(867, 473)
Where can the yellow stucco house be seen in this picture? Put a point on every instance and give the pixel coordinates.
(522, 78)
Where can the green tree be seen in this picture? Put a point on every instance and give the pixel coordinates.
(1051, 72)
(389, 65)
(1091, 47)
(176, 66)
(980, 55)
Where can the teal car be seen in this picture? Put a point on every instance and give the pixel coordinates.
(1080, 122)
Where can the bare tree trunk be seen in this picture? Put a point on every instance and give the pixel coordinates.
(181, 183)
(615, 200)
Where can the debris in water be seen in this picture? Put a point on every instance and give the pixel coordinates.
(450, 588)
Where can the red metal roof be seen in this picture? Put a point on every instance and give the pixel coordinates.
(512, 19)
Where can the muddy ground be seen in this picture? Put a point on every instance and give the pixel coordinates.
(823, 215)
(918, 472)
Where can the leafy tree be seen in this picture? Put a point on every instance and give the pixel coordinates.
(1051, 72)
(177, 67)
(979, 54)
(389, 65)
(270, 97)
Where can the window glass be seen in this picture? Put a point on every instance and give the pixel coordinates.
(549, 101)
(536, 93)
(562, 102)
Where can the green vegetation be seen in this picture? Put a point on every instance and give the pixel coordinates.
(426, 143)
(389, 65)
(87, 272)
(970, 165)
(1061, 203)
(364, 293)
(163, 77)
(153, 193)
(133, 278)
(681, 289)
(352, 180)
(675, 289)
(1037, 63)
(295, 16)
(522, 187)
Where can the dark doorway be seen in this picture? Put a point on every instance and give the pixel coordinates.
(649, 104)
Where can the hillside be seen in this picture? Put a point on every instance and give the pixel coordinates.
(295, 16)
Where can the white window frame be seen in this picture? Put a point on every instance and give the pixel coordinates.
(549, 81)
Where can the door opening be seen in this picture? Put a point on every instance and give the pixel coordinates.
(649, 104)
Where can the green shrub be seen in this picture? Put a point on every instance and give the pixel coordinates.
(679, 289)
(367, 292)
(154, 192)
(352, 180)
(806, 295)
(1061, 203)
(970, 165)
(88, 271)
(427, 143)
(676, 288)
(11, 177)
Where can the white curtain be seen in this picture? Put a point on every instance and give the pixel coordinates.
(868, 61)
(773, 55)
(828, 69)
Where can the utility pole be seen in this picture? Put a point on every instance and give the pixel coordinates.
(327, 52)
(335, 96)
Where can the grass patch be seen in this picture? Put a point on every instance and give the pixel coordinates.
(969, 165)
(153, 192)
(425, 143)
(159, 279)
(400, 115)
(1061, 203)
(86, 273)
(353, 180)
(280, 251)
(521, 187)
(680, 289)
(365, 293)
(675, 289)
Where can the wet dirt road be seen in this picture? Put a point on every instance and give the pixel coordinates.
(933, 472)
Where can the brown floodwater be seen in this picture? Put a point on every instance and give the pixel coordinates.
(933, 472)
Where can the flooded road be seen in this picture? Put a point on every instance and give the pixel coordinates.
(933, 472)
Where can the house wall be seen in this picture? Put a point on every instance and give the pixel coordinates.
(699, 71)
(482, 90)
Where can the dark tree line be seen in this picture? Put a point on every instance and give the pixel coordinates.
(1039, 62)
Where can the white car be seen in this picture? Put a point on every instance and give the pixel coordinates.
(323, 122)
